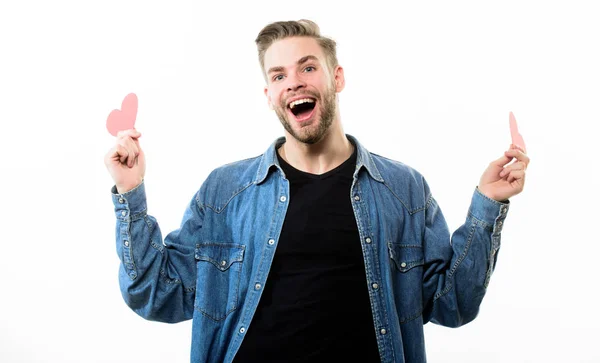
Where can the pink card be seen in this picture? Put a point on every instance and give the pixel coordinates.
(123, 119)
(517, 139)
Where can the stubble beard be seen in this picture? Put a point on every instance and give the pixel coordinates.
(311, 134)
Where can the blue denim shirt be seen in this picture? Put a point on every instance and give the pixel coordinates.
(214, 268)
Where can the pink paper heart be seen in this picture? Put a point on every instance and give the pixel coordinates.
(517, 139)
(123, 119)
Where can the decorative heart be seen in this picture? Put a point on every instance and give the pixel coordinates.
(517, 139)
(123, 119)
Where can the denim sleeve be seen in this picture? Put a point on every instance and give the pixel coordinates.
(156, 277)
(457, 270)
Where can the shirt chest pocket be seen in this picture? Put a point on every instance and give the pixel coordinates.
(218, 279)
(407, 265)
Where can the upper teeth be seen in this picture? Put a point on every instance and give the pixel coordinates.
(298, 102)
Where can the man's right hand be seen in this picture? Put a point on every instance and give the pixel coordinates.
(125, 161)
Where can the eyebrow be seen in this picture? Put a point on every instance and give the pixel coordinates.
(300, 61)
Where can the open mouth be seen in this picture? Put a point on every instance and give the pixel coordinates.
(303, 108)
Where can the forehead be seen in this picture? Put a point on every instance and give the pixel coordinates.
(286, 52)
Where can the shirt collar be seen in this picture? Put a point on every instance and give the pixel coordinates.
(269, 161)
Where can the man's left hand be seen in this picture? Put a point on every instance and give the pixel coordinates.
(501, 181)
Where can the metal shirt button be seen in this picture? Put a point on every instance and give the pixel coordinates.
(283, 198)
(375, 286)
(257, 286)
(403, 264)
(121, 200)
(123, 213)
(126, 243)
(242, 330)
(383, 331)
(223, 263)
(368, 240)
(356, 198)
(271, 242)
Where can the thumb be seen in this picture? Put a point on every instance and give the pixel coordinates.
(136, 140)
(501, 161)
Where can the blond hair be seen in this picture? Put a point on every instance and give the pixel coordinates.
(301, 28)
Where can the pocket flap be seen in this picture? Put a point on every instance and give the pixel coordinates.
(222, 255)
(406, 257)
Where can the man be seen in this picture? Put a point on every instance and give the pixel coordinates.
(316, 250)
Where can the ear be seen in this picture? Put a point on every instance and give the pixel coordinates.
(340, 81)
(268, 98)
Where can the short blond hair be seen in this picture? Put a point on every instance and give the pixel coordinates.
(286, 29)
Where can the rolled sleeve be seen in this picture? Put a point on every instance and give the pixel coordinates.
(131, 205)
(492, 213)
(488, 210)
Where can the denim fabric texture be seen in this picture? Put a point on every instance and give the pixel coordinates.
(213, 268)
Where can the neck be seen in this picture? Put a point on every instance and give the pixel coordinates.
(321, 157)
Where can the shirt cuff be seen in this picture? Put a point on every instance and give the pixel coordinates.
(129, 205)
(488, 210)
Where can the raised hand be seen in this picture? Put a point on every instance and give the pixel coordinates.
(501, 181)
(125, 161)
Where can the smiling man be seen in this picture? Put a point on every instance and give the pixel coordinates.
(316, 250)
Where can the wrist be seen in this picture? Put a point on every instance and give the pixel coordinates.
(486, 192)
(125, 188)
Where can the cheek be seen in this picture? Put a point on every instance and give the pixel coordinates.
(272, 95)
(277, 99)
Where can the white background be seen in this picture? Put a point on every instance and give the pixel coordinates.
(428, 84)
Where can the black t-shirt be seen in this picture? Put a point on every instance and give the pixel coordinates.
(315, 306)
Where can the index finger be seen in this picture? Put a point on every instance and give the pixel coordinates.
(515, 146)
(518, 154)
(133, 133)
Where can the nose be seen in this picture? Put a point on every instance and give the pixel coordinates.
(295, 83)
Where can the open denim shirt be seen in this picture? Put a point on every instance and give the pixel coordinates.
(215, 266)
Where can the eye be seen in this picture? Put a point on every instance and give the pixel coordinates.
(309, 69)
(278, 77)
